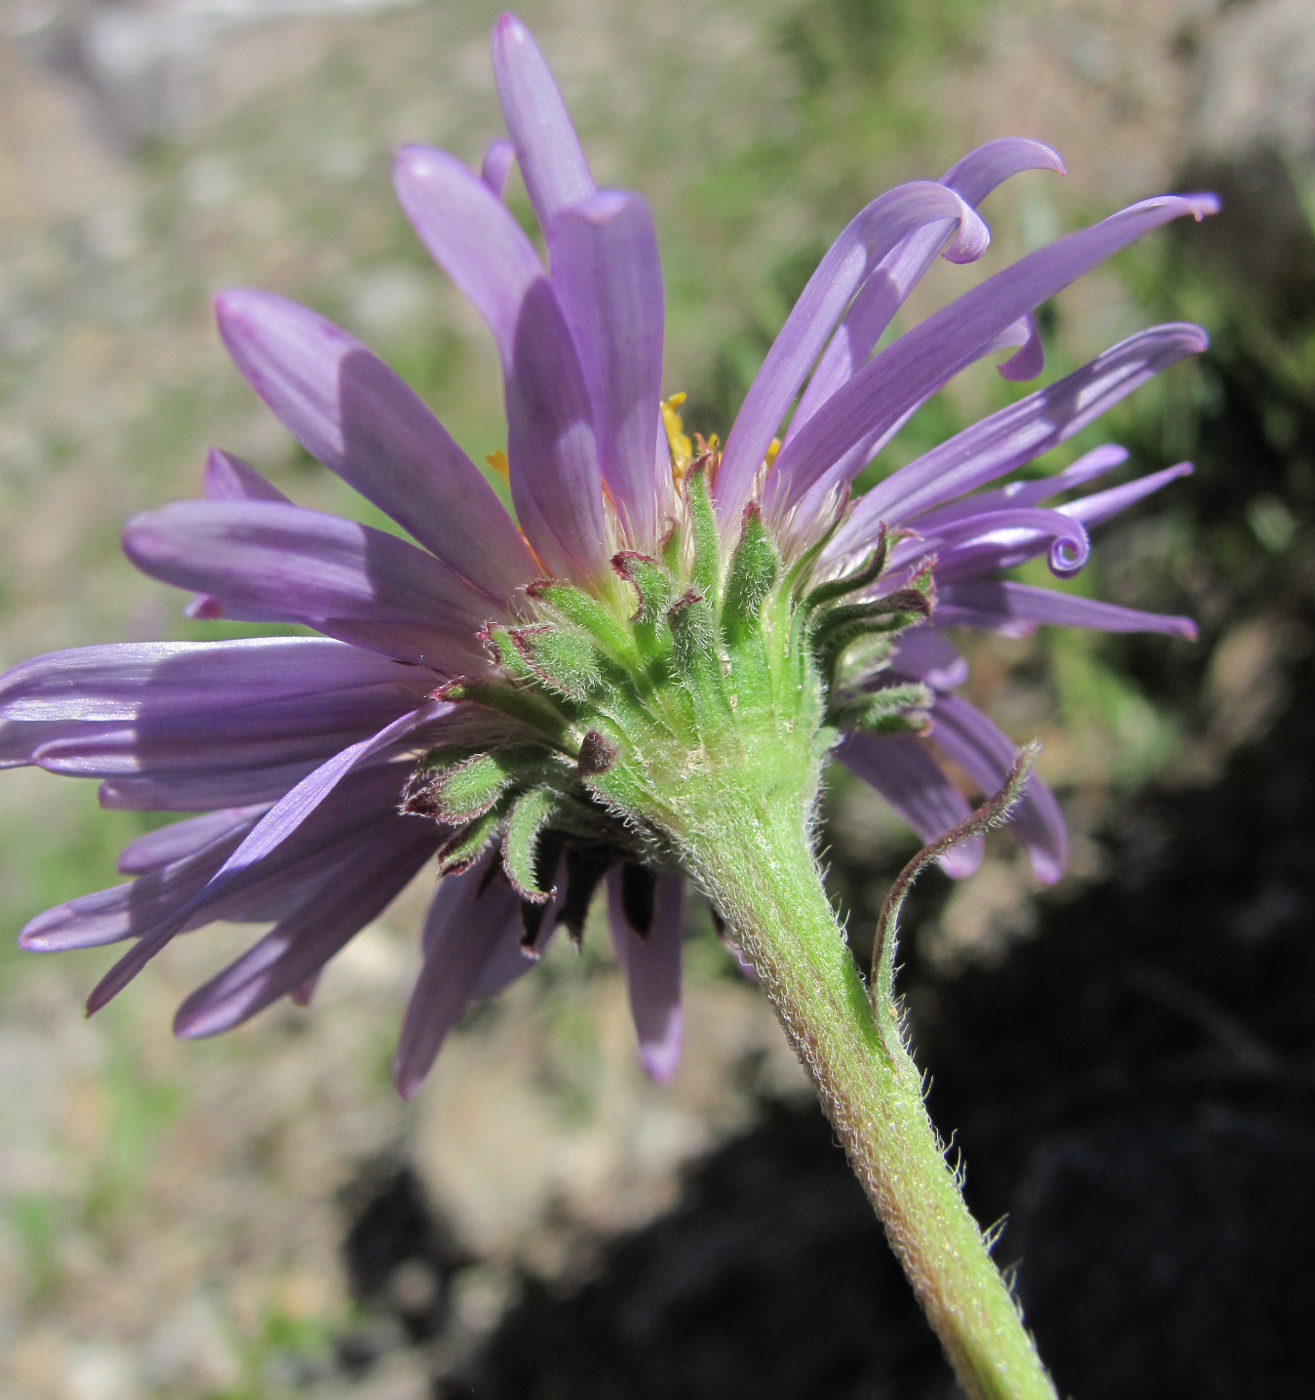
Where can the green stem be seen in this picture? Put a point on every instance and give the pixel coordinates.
(760, 873)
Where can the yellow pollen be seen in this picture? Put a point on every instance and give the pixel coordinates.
(678, 443)
(498, 462)
(772, 450)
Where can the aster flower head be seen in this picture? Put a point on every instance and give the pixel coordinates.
(658, 653)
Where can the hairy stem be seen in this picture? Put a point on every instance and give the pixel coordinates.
(760, 873)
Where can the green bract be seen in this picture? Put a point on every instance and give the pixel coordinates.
(702, 687)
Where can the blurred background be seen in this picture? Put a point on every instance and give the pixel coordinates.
(1128, 1059)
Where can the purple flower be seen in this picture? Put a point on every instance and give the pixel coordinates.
(441, 714)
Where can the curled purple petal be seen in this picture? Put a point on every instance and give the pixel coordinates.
(1014, 436)
(991, 164)
(1001, 539)
(902, 376)
(1029, 359)
(869, 237)
(973, 178)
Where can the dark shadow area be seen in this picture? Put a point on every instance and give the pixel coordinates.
(770, 1279)
(399, 1258)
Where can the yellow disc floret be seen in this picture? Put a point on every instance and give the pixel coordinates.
(678, 441)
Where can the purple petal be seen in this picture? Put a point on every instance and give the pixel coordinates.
(1094, 510)
(470, 236)
(987, 754)
(903, 375)
(907, 776)
(869, 237)
(366, 802)
(260, 736)
(118, 681)
(552, 163)
(651, 963)
(923, 654)
(990, 165)
(1014, 436)
(108, 916)
(280, 823)
(510, 960)
(1015, 608)
(1029, 359)
(551, 450)
(297, 806)
(1087, 468)
(362, 886)
(19, 741)
(121, 709)
(349, 410)
(608, 280)
(167, 679)
(229, 478)
(205, 607)
(468, 928)
(280, 883)
(202, 790)
(348, 580)
(183, 838)
(975, 176)
(499, 156)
